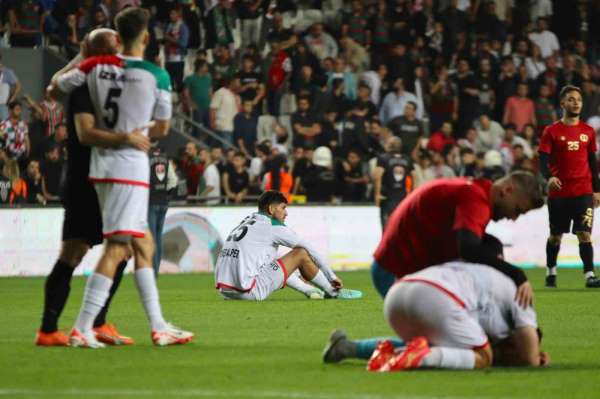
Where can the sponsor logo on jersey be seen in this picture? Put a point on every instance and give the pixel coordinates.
(160, 171)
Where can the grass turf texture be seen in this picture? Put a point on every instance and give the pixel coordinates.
(273, 349)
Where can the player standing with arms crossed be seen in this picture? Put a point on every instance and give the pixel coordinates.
(568, 160)
(127, 93)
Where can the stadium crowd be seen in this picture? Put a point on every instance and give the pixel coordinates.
(328, 101)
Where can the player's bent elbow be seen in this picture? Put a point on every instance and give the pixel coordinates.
(483, 357)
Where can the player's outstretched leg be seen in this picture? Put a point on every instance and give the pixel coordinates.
(296, 282)
(552, 249)
(340, 347)
(163, 333)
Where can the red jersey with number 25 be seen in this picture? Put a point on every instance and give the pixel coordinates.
(422, 230)
(569, 148)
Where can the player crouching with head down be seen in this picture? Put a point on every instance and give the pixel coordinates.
(248, 267)
(454, 316)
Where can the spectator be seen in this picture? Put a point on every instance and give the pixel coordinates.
(468, 96)
(535, 64)
(51, 169)
(489, 133)
(407, 127)
(249, 12)
(36, 185)
(277, 176)
(49, 111)
(18, 187)
(197, 92)
(470, 141)
(26, 18)
(454, 21)
(10, 88)
(15, 134)
(545, 114)
(363, 105)
(569, 71)
(395, 102)
(236, 181)
(553, 78)
(400, 64)
(321, 43)
(305, 126)
(468, 163)
(70, 35)
(354, 174)
(244, 128)
(224, 66)
(486, 84)
(251, 87)
(221, 159)
(340, 71)
(278, 69)
(191, 167)
(224, 106)
(261, 152)
(544, 39)
(591, 99)
(520, 109)
(176, 39)
(512, 139)
(438, 168)
(507, 85)
(380, 28)
(375, 80)
(441, 139)
(220, 24)
(212, 179)
(354, 55)
(444, 100)
(319, 180)
(356, 24)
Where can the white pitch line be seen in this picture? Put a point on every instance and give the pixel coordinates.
(207, 393)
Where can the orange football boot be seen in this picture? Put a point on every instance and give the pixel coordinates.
(56, 338)
(108, 334)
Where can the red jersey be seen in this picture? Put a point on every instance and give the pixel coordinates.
(422, 230)
(569, 148)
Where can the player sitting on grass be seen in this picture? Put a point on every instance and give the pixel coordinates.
(451, 315)
(248, 267)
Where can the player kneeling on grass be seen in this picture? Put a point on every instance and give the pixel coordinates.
(453, 316)
(248, 268)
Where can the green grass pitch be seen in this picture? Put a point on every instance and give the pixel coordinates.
(273, 349)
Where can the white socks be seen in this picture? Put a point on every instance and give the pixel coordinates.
(449, 358)
(295, 281)
(95, 295)
(146, 285)
(551, 271)
(321, 281)
(589, 274)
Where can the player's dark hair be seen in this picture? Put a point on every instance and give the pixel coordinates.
(131, 22)
(567, 89)
(493, 246)
(270, 197)
(14, 103)
(529, 186)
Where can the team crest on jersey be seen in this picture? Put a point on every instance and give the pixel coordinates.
(160, 171)
(584, 138)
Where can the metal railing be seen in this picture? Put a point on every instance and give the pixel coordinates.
(203, 129)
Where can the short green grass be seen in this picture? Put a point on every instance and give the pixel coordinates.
(273, 349)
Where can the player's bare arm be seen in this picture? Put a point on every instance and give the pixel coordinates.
(159, 129)
(90, 135)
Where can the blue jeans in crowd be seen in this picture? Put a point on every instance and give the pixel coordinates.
(156, 221)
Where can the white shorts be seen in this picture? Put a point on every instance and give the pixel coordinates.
(271, 277)
(124, 210)
(420, 308)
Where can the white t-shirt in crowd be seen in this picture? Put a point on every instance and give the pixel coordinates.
(227, 105)
(212, 179)
(546, 41)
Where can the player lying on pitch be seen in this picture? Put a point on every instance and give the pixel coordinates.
(453, 316)
(248, 267)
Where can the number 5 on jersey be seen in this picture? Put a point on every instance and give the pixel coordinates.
(112, 107)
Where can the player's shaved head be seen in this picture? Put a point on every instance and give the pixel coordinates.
(102, 41)
(131, 24)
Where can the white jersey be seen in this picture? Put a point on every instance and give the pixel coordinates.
(127, 93)
(254, 243)
(487, 295)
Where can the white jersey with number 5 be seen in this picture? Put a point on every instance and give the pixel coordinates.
(127, 93)
(253, 243)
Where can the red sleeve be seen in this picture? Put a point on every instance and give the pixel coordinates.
(88, 64)
(546, 142)
(472, 211)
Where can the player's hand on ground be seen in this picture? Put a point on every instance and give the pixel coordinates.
(554, 184)
(525, 295)
(138, 140)
(596, 200)
(544, 359)
(337, 283)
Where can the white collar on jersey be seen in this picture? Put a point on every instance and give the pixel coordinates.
(129, 57)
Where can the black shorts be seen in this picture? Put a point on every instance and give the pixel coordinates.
(579, 210)
(83, 220)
